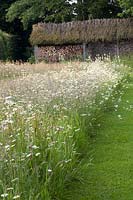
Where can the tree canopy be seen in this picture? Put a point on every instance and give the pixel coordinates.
(33, 11)
(97, 9)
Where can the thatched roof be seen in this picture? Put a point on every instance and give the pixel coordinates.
(82, 31)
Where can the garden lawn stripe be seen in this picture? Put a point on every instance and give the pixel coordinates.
(110, 175)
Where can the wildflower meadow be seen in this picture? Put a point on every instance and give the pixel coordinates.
(48, 115)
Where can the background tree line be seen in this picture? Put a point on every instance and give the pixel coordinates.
(18, 16)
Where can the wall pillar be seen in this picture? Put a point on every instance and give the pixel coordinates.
(84, 51)
(36, 53)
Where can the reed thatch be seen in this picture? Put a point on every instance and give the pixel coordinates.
(82, 31)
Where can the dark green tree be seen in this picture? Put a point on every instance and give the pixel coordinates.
(88, 9)
(4, 5)
(20, 38)
(33, 11)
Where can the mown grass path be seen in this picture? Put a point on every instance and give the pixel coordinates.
(108, 165)
(110, 175)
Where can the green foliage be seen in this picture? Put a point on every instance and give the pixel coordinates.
(127, 7)
(32, 11)
(31, 59)
(4, 5)
(20, 39)
(9, 48)
(5, 46)
(96, 9)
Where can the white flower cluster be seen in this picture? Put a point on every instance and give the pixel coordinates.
(70, 82)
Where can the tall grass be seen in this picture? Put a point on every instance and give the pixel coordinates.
(46, 120)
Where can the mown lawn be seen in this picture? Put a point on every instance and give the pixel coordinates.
(109, 172)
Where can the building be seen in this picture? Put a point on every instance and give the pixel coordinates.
(80, 39)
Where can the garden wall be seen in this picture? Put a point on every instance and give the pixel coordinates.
(93, 49)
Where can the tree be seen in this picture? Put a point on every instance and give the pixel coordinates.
(127, 8)
(33, 11)
(87, 9)
(20, 38)
(4, 5)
